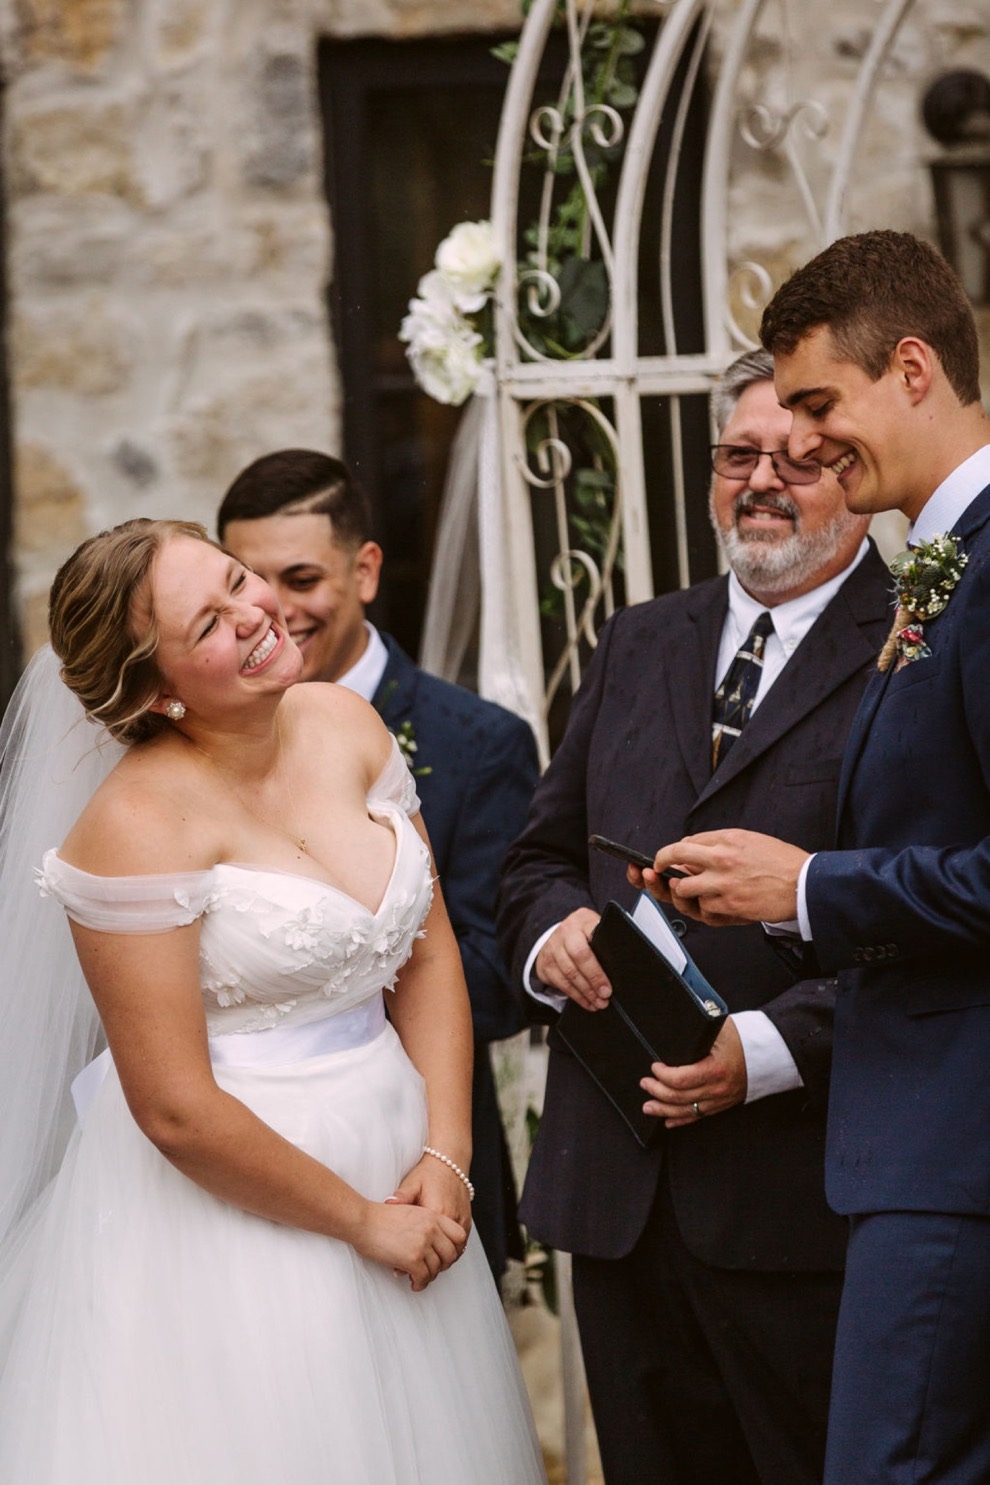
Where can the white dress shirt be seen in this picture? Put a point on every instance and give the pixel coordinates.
(770, 1068)
(366, 673)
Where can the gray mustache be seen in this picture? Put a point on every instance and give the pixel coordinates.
(747, 502)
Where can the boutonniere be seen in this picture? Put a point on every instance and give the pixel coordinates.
(924, 578)
(409, 747)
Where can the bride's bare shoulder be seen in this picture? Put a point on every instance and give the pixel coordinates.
(341, 722)
(151, 814)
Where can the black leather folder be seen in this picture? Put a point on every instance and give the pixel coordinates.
(656, 1014)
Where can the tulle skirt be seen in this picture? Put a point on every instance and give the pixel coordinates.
(150, 1334)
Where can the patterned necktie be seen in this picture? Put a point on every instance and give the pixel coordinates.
(735, 696)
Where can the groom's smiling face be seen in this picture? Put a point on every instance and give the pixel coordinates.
(854, 425)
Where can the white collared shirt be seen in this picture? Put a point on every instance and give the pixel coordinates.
(366, 673)
(791, 622)
(953, 496)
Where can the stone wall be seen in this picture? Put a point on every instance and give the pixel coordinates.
(169, 247)
(169, 251)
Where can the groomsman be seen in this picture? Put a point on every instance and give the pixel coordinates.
(302, 522)
(706, 1268)
(875, 353)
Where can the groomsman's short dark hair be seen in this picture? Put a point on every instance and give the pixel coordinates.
(870, 291)
(300, 482)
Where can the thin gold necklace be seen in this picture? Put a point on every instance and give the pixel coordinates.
(297, 840)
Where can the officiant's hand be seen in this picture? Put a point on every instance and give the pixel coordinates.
(683, 1095)
(566, 962)
(734, 876)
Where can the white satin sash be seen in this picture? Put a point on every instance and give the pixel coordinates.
(274, 1047)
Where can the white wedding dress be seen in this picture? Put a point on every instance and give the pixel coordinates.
(151, 1334)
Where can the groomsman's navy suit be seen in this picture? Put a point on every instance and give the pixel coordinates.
(745, 1186)
(902, 912)
(475, 768)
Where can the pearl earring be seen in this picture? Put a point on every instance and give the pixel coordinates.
(175, 711)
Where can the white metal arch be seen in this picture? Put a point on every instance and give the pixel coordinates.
(609, 378)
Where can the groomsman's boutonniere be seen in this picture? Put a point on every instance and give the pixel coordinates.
(924, 577)
(409, 747)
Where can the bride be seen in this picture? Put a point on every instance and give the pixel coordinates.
(255, 1262)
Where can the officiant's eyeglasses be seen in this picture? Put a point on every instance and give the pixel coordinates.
(736, 462)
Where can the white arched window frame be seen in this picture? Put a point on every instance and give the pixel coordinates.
(487, 570)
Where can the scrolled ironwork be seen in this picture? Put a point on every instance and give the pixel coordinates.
(765, 128)
(542, 292)
(752, 284)
(555, 467)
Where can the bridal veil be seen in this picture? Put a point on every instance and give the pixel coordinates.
(51, 761)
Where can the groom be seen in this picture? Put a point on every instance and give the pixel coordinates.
(875, 354)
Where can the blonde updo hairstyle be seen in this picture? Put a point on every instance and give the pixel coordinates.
(103, 626)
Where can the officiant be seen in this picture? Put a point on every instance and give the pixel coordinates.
(707, 1267)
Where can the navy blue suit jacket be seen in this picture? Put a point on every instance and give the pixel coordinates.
(903, 911)
(480, 768)
(635, 764)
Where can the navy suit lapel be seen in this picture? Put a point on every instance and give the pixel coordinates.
(860, 731)
(973, 518)
(690, 674)
(396, 694)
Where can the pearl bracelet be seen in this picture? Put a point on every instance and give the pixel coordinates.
(438, 1155)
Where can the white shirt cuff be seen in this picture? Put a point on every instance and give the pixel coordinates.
(770, 1068)
(535, 987)
(802, 901)
(801, 925)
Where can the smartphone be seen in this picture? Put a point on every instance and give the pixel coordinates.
(628, 853)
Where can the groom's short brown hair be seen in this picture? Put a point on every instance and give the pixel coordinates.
(870, 291)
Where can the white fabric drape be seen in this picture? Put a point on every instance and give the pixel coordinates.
(471, 581)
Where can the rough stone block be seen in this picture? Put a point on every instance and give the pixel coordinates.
(135, 462)
(67, 243)
(281, 144)
(78, 33)
(78, 348)
(49, 515)
(213, 439)
(174, 149)
(75, 151)
(180, 28)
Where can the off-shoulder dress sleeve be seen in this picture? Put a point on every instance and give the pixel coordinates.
(148, 904)
(394, 785)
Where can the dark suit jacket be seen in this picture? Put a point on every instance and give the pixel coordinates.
(482, 768)
(635, 764)
(903, 910)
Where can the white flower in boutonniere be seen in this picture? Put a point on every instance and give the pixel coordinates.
(924, 579)
(409, 747)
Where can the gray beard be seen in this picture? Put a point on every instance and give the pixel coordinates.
(769, 565)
